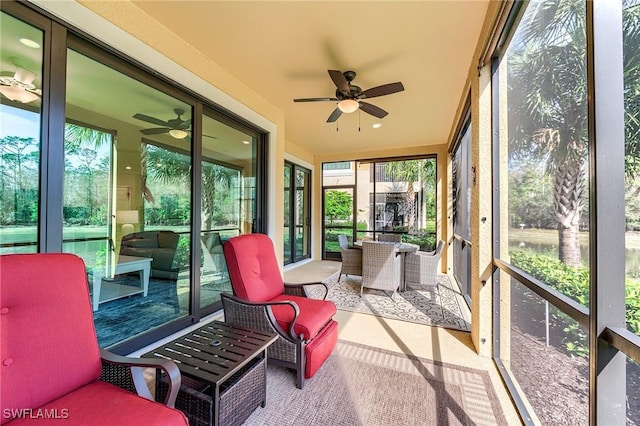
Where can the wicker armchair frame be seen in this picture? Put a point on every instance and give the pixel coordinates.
(127, 373)
(351, 258)
(380, 266)
(390, 238)
(422, 267)
(289, 350)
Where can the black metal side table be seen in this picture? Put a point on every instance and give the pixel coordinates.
(224, 372)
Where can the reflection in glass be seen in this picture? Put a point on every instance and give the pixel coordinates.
(127, 198)
(302, 213)
(20, 103)
(631, 28)
(288, 175)
(297, 213)
(228, 200)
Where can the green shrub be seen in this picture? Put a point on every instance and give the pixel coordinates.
(331, 237)
(426, 240)
(574, 283)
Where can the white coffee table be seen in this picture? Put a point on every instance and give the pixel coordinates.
(107, 291)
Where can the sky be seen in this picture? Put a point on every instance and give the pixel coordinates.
(19, 122)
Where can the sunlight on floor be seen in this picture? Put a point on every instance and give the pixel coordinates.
(434, 343)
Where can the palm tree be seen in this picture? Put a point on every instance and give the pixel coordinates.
(547, 100)
(175, 167)
(411, 171)
(214, 178)
(77, 136)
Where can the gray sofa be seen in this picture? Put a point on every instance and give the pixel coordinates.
(159, 245)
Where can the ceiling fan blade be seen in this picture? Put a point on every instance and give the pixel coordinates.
(373, 110)
(340, 81)
(385, 89)
(334, 115)
(155, 131)
(315, 100)
(151, 120)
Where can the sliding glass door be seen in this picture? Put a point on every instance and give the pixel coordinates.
(228, 199)
(21, 64)
(127, 196)
(297, 213)
(138, 177)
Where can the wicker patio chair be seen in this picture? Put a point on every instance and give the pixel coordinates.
(422, 267)
(392, 238)
(261, 300)
(51, 358)
(380, 266)
(351, 258)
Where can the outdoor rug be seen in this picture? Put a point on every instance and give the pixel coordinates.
(440, 306)
(362, 385)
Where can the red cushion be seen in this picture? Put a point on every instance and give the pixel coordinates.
(253, 267)
(102, 403)
(314, 314)
(48, 344)
(319, 349)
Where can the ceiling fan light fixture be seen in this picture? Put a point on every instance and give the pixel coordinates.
(348, 106)
(30, 43)
(178, 133)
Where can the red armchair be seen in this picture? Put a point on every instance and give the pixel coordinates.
(262, 301)
(51, 366)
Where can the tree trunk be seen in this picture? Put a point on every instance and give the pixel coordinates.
(410, 209)
(208, 194)
(569, 182)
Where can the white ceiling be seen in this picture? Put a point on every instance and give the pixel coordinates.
(283, 49)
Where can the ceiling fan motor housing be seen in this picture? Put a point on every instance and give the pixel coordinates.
(355, 91)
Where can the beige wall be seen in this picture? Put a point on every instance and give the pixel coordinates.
(479, 91)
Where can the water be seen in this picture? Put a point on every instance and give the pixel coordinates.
(632, 255)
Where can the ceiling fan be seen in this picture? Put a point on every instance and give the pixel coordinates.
(176, 127)
(20, 87)
(350, 97)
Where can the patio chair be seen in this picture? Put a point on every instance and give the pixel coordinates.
(262, 301)
(380, 266)
(421, 267)
(51, 362)
(351, 258)
(213, 248)
(393, 238)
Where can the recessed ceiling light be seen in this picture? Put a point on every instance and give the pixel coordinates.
(246, 142)
(128, 167)
(29, 43)
(376, 125)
